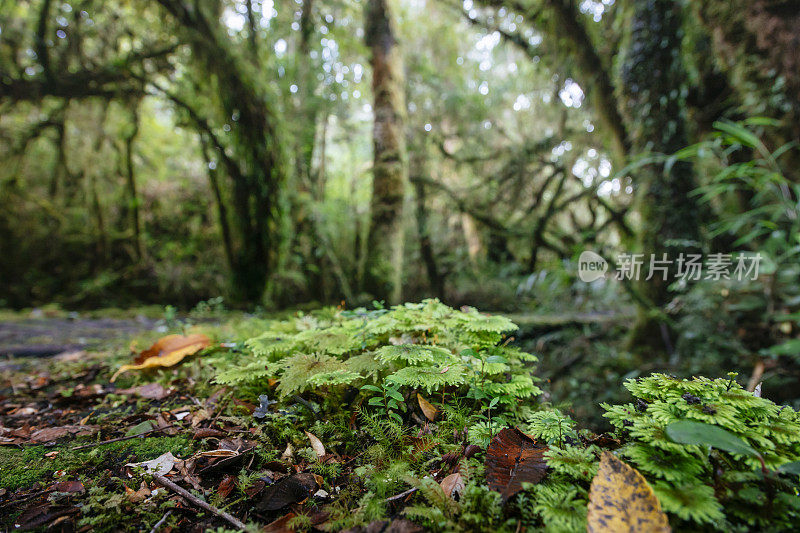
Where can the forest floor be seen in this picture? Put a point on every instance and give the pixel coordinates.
(73, 444)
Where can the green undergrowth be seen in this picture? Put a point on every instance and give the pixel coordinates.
(376, 360)
(397, 396)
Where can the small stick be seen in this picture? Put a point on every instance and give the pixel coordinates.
(161, 522)
(755, 378)
(197, 501)
(401, 495)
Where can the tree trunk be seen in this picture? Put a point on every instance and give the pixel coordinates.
(384, 266)
(257, 170)
(653, 78)
(130, 181)
(419, 166)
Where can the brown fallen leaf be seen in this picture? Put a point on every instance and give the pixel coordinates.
(39, 515)
(54, 433)
(204, 433)
(67, 486)
(621, 500)
(150, 391)
(514, 458)
(316, 445)
(281, 525)
(226, 486)
(453, 485)
(136, 496)
(291, 489)
(427, 408)
(167, 351)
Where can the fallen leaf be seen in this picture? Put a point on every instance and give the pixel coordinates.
(54, 433)
(217, 453)
(292, 489)
(514, 458)
(136, 496)
(288, 453)
(167, 351)
(150, 391)
(316, 445)
(281, 525)
(620, 499)
(68, 486)
(204, 433)
(226, 486)
(427, 408)
(453, 485)
(160, 465)
(41, 514)
(141, 428)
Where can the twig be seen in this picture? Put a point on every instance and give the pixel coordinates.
(401, 495)
(161, 522)
(198, 502)
(755, 378)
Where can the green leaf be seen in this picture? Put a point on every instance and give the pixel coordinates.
(493, 402)
(395, 394)
(392, 404)
(790, 468)
(790, 347)
(375, 401)
(496, 359)
(140, 428)
(686, 432)
(373, 388)
(397, 417)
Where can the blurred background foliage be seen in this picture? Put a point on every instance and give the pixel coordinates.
(174, 151)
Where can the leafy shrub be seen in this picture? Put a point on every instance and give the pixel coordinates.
(387, 354)
(713, 487)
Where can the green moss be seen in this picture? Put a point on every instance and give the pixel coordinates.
(20, 468)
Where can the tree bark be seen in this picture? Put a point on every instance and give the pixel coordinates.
(384, 265)
(258, 171)
(130, 181)
(435, 279)
(652, 84)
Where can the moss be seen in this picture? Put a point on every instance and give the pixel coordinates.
(22, 468)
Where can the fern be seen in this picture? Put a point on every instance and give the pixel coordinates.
(424, 346)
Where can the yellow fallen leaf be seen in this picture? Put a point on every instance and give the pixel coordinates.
(167, 351)
(427, 408)
(316, 445)
(621, 500)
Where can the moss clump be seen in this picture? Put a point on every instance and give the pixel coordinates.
(23, 467)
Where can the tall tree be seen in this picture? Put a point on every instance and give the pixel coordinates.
(258, 170)
(384, 266)
(652, 83)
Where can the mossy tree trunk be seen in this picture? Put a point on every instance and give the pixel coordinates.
(384, 265)
(652, 82)
(257, 169)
